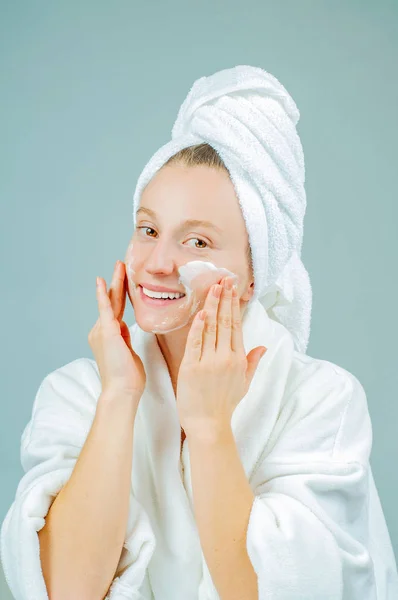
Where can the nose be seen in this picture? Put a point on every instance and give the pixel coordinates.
(162, 260)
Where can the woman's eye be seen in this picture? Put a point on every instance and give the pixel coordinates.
(145, 227)
(199, 239)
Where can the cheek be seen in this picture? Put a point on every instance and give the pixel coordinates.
(132, 261)
(130, 292)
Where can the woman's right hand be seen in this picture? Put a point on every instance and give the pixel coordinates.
(121, 369)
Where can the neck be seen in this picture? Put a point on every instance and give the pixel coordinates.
(172, 346)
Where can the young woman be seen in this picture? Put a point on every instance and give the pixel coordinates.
(183, 462)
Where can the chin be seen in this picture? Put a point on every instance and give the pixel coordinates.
(147, 322)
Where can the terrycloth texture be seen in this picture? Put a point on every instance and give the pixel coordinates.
(303, 432)
(249, 118)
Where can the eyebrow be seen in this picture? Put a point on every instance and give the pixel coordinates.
(187, 223)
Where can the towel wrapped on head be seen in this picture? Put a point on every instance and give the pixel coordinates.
(250, 119)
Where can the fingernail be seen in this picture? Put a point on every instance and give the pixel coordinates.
(217, 291)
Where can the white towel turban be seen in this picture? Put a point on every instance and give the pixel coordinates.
(250, 119)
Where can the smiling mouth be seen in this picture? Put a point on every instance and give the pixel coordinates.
(157, 301)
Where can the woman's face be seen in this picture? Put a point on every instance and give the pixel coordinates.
(164, 240)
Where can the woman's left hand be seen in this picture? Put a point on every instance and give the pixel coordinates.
(215, 373)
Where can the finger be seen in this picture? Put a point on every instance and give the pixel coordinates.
(193, 346)
(237, 332)
(117, 290)
(123, 291)
(224, 319)
(106, 314)
(125, 333)
(210, 328)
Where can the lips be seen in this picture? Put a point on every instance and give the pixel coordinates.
(159, 288)
(157, 301)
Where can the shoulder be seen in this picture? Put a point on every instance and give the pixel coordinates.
(66, 399)
(79, 373)
(318, 374)
(71, 381)
(329, 403)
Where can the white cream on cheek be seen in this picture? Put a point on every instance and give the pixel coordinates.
(203, 273)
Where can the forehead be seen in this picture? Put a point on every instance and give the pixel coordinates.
(204, 195)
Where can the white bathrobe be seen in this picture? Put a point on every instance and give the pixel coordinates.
(304, 435)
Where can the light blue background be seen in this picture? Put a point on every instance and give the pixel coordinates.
(90, 90)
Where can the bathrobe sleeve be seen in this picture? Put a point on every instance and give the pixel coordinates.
(62, 415)
(307, 536)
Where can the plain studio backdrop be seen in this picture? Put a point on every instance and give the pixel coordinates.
(90, 90)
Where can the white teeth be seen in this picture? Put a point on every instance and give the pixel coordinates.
(160, 295)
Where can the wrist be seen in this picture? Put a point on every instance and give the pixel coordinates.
(112, 396)
(211, 433)
(113, 389)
